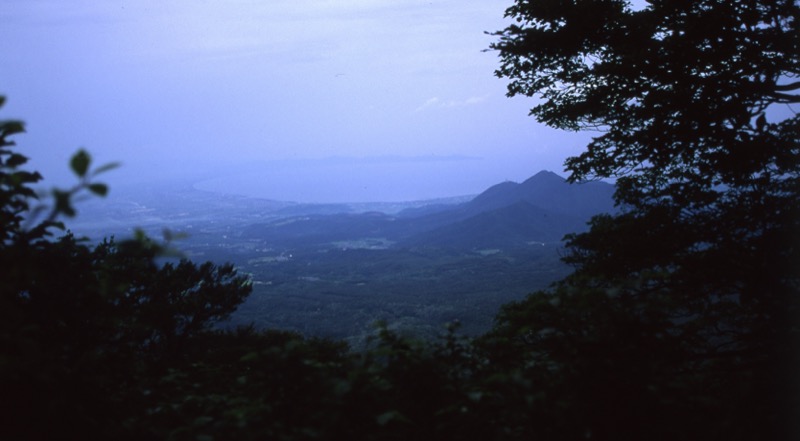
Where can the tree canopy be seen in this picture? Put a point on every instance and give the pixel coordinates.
(686, 302)
(82, 326)
(680, 321)
(112, 341)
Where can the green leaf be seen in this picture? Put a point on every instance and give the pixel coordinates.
(63, 202)
(169, 235)
(11, 127)
(24, 177)
(99, 189)
(105, 167)
(80, 163)
(15, 160)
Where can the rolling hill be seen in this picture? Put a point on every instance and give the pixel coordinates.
(541, 209)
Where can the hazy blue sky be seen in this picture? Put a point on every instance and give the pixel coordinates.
(211, 87)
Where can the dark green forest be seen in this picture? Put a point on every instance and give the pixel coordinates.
(681, 319)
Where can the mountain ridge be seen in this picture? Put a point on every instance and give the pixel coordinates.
(549, 191)
(543, 208)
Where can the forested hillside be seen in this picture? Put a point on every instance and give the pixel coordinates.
(681, 319)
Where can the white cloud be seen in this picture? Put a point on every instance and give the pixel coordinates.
(436, 103)
(431, 102)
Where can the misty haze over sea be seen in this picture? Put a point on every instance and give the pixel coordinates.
(371, 179)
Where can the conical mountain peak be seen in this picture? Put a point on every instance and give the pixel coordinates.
(549, 191)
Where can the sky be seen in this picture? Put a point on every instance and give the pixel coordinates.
(308, 100)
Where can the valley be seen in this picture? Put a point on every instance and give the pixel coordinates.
(334, 270)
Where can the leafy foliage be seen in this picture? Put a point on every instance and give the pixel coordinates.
(680, 321)
(687, 302)
(113, 342)
(82, 326)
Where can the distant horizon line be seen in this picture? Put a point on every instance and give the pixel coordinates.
(369, 159)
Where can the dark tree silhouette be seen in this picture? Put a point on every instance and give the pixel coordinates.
(82, 327)
(681, 319)
(107, 342)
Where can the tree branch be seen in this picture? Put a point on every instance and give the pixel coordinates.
(787, 87)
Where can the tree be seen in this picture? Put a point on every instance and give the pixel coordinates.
(105, 342)
(83, 328)
(690, 294)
